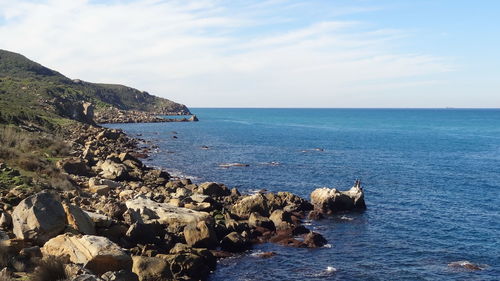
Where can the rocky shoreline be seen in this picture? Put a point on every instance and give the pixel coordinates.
(126, 221)
(114, 115)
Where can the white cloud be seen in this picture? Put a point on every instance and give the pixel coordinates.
(215, 53)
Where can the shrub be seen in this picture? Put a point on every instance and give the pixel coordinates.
(50, 269)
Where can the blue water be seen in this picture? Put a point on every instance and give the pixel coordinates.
(431, 177)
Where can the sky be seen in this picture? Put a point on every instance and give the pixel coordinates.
(270, 53)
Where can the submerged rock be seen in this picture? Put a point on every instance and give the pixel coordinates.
(326, 200)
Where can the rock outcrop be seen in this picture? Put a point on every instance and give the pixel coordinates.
(327, 200)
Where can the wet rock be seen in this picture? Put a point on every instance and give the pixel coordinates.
(266, 255)
(200, 235)
(151, 268)
(314, 240)
(328, 200)
(234, 242)
(39, 218)
(97, 253)
(79, 220)
(466, 265)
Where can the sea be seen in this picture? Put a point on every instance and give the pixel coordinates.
(431, 179)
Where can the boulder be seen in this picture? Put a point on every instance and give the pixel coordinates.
(281, 219)
(74, 166)
(193, 264)
(113, 171)
(200, 235)
(151, 268)
(139, 233)
(110, 183)
(85, 277)
(97, 253)
(234, 242)
(314, 240)
(327, 200)
(99, 220)
(249, 204)
(79, 220)
(257, 220)
(39, 218)
(213, 189)
(288, 202)
(148, 211)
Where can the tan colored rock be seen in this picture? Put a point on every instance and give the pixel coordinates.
(97, 253)
(79, 220)
(328, 200)
(200, 235)
(151, 268)
(113, 171)
(39, 218)
(249, 204)
(150, 211)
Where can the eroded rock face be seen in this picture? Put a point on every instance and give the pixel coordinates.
(326, 200)
(145, 210)
(39, 218)
(97, 253)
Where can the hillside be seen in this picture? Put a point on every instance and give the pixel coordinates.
(36, 96)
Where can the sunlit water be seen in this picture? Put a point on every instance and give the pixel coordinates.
(431, 177)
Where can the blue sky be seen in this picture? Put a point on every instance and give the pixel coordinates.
(274, 53)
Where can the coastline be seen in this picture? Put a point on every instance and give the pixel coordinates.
(118, 199)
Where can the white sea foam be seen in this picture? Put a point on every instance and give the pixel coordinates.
(327, 246)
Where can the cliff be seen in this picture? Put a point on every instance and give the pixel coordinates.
(35, 96)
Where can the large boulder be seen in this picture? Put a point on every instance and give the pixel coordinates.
(326, 200)
(249, 204)
(39, 218)
(113, 171)
(200, 235)
(79, 220)
(145, 210)
(314, 240)
(97, 253)
(213, 189)
(288, 202)
(151, 268)
(102, 186)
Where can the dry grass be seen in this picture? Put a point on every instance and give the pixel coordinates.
(34, 154)
(50, 269)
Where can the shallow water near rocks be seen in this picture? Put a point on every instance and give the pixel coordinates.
(431, 177)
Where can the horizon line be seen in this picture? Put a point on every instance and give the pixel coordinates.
(449, 108)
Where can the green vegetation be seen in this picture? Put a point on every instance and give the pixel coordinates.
(29, 160)
(35, 96)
